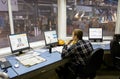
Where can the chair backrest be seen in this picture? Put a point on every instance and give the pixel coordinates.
(115, 48)
(95, 60)
(115, 53)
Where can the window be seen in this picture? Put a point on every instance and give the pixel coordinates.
(34, 17)
(30, 16)
(4, 24)
(87, 13)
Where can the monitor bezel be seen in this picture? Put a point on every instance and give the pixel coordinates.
(95, 39)
(18, 50)
(52, 44)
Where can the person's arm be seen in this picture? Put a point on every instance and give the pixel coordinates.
(67, 51)
(91, 46)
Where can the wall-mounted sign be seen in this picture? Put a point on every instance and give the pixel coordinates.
(4, 5)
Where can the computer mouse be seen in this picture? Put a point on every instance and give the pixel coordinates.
(16, 65)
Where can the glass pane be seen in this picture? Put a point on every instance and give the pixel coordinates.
(34, 17)
(87, 13)
(4, 24)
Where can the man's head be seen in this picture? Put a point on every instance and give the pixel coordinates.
(77, 34)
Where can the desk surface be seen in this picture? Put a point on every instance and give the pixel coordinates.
(50, 59)
(105, 45)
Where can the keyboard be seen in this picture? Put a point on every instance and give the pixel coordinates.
(25, 56)
(57, 48)
(30, 59)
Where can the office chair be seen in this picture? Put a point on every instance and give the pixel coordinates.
(115, 53)
(94, 63)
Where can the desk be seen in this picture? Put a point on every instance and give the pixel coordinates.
(105, 45)
(51, 58)
(53, 61)
(28, 72)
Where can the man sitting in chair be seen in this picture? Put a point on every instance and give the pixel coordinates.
(78, 49)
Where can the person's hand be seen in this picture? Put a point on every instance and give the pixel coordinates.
(63, 53)
(65, 47)
(64, 50)
(70, 41)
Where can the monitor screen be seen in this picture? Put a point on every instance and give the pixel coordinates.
(95, 34)
(18, 42)
(51, 37)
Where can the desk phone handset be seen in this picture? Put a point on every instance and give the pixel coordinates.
(4, 75)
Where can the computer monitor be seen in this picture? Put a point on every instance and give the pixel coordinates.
(18, 42)
(51, 38)
(95, 34)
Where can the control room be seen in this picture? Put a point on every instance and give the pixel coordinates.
(59, 39)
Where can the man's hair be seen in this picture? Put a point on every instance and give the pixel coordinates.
(78, 33)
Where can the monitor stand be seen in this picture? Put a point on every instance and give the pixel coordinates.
(50, 49)
(19, 53)
(98, 40)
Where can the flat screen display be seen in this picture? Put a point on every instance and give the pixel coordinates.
(51, 37)
(18, 42)
(95, 33)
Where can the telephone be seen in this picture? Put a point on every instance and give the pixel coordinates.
(4, 65)
(4, 75)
